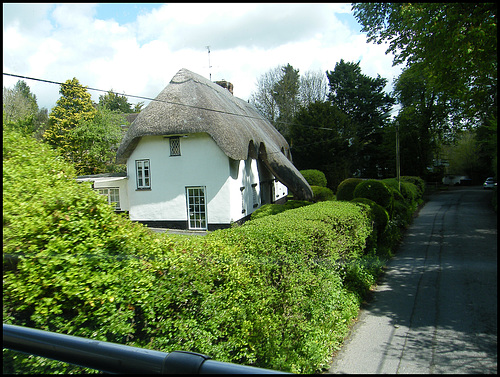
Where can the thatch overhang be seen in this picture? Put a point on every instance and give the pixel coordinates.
(194, 104)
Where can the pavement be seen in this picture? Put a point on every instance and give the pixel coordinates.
(435, 309)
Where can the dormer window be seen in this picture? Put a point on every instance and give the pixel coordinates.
(175, 146)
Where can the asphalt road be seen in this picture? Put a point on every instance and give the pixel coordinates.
(435, 310)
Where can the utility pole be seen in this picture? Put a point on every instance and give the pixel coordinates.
(398, 167)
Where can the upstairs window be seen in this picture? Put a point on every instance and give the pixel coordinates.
(175, 146)
(143, 173)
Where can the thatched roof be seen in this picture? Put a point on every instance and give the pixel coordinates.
(192, 104)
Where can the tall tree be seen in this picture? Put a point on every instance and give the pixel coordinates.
(286, 94)
(73, 106)
(424, 120)
(322, 138)
(364, 100)
(97, 141)
(115, 102)
(21, 110)
(313, 87)
(263, 98)
(281, 91)
(454, 43)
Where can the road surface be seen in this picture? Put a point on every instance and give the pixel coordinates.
(435, 310)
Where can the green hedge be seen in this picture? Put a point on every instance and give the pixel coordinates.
(321, 194)
(273, 209)
(346, 188)
(277, 292)
(374, 190)
(314, 177)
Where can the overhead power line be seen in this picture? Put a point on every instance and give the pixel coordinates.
(154, 99)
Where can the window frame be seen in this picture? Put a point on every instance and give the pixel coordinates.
(197, 211)
(175, 146)
(143, 174)
(116, 204)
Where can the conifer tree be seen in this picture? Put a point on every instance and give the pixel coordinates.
(73, 106)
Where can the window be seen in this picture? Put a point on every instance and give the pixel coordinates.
(113, 195)
(175, 146)
(143, 174)
(197, 211)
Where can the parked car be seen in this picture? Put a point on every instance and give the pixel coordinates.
(489, 183)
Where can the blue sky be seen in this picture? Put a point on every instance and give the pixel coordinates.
(136, 48)
(123, 13)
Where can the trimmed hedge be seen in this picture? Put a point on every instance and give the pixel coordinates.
(346, 188)
(418, 182)
(273, 209)
(375, 190)
(321, 194)
(314, 177)
(277, 292)
(379, 214)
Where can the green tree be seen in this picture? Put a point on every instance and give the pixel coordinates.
(455, 44)
(286, 95)
(463, 156)
(21, 109)
(281, 91)
(424, 120)
(115, 102)
(73, 106)
(97, 140)
(362, 98)
(321, 138)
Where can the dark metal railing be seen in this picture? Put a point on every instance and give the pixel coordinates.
(115, 358)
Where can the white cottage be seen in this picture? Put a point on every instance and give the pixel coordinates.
(199, 158)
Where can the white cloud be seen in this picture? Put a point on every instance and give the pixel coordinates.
(61, 41)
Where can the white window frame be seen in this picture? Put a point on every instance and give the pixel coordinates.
(196, 200)
(111, 193)
(143, 174)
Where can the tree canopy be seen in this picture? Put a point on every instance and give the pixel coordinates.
(454, 44)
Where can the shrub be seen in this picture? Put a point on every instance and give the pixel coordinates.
(407, 190)
(375, 190)
(418, 182)
(378, 213)
(346, 188)
(269, 293)
(273, 209)
(314, 177)
(320, 194)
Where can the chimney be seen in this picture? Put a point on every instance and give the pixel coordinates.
(226, 85)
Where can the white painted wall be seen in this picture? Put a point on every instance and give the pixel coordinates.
(121, 184)
(201, 163)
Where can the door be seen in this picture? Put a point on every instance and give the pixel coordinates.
(196, 207)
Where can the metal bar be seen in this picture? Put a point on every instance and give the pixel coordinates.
(115, 358)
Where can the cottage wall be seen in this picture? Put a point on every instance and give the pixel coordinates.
(201, 163)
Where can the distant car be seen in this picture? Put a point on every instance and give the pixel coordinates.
(489, 183)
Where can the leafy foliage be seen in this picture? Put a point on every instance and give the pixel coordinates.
(320, 194)
(375, 190)
(278, 292)
(314, 177)
(456, 43)
(273, 209)
(73, 106)
(346, 188)
(97, 141)
(321, 138)
(363, 99)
